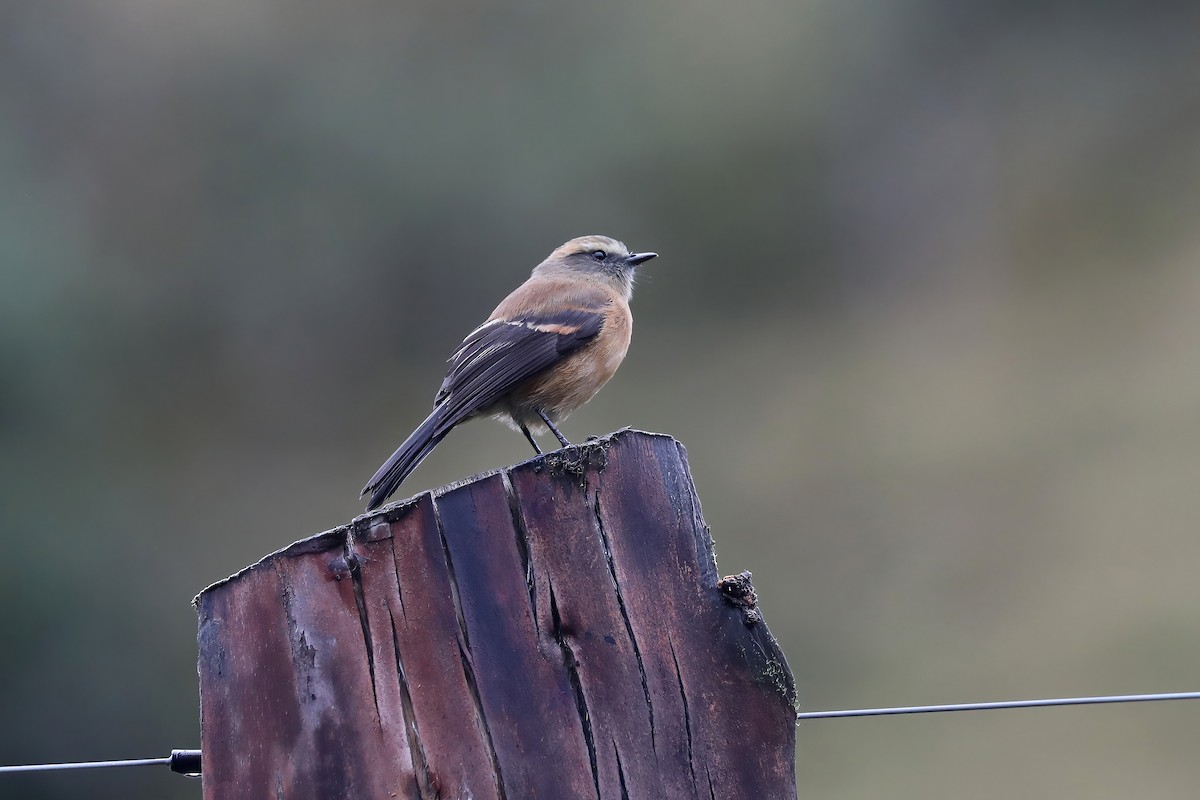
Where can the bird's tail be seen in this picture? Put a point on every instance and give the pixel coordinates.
(406, 458)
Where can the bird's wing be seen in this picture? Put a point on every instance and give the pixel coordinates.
(500, 355)
(492, 361)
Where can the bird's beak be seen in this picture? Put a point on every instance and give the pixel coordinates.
(633, 259)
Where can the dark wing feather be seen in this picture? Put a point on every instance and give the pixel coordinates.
(500, 356)
(491, 362)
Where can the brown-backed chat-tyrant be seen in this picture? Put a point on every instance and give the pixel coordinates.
(544, 352)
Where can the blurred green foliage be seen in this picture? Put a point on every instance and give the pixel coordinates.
(925, 317)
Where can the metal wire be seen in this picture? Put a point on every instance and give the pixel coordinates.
(185, 762)
(1061, 701)
(188, 761)
(136, 762)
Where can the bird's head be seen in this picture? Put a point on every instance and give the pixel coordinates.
(598, 256)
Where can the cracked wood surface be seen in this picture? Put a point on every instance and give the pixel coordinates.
(555, 630)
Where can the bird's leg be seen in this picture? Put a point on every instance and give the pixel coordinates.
(529, 436)
(553, 429)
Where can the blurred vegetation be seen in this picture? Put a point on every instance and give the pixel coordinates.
(925, 318)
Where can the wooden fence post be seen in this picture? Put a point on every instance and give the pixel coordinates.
(555, 630)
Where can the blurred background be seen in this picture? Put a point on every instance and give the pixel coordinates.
(926, 318)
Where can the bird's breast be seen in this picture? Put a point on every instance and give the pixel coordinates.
(576, 379)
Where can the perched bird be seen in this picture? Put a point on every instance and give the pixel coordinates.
(544, 352)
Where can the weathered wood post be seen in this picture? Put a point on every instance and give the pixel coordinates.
(555, 630)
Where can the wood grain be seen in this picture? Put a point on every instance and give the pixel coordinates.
(555, 630)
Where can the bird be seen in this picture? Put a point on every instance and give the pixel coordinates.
(544, 352)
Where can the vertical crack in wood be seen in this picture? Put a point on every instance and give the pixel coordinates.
(458, 612)
(422, 777)
(363, 620)
(706, 548)
(637, 651)
(464, 646)
(304, 655)
(620, 771)
(523, 548)
(687, 716)
(712, 792)
(399, 585)
(572, 665)
(481, 719)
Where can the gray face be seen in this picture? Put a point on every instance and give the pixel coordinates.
(600, 254)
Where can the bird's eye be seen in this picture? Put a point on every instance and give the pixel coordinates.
(599, 255)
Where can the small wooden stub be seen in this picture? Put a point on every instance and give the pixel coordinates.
(555, 630)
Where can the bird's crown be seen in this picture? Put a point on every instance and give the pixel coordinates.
(587, 245)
